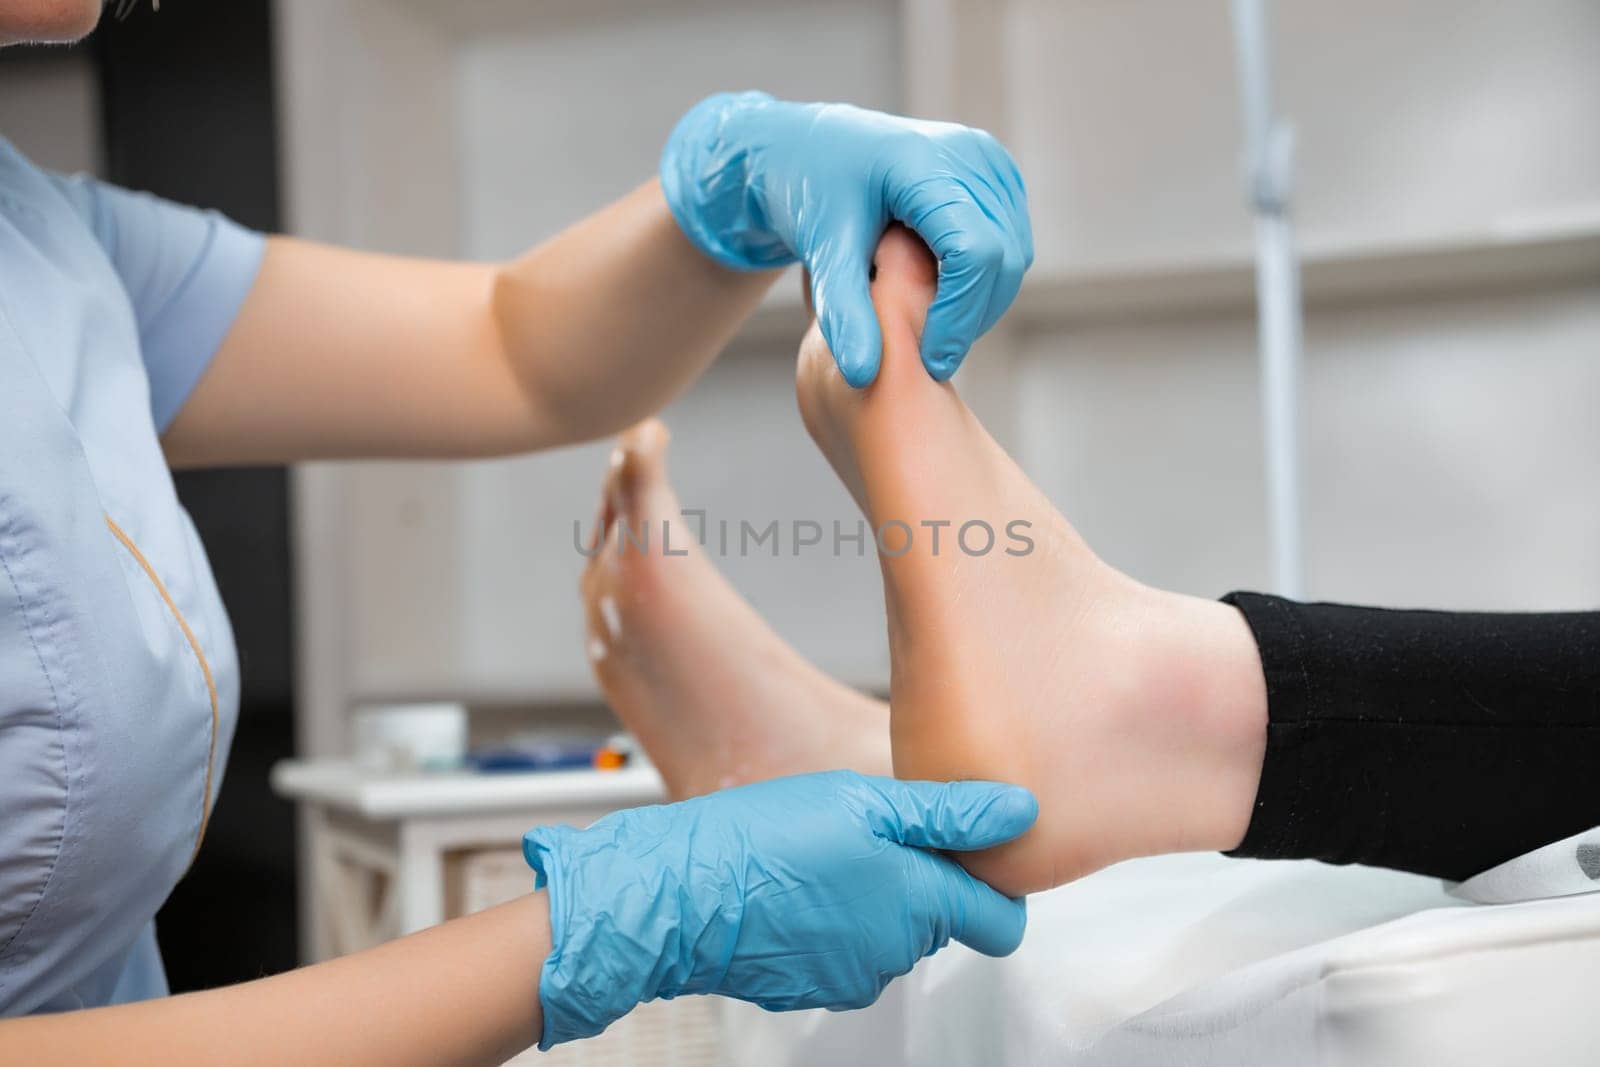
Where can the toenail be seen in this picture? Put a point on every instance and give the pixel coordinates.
(608, 612)
(596, 649)
(618, 458)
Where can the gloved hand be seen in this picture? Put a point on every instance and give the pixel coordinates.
(804, 892)
(758, 183)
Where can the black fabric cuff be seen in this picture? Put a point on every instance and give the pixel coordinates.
(1436, 742)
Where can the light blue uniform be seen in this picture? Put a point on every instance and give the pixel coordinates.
(119, 683)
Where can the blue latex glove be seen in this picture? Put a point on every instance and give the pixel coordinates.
(804, 892)
(758, 183)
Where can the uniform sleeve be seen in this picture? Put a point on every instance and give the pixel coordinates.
(186, 271)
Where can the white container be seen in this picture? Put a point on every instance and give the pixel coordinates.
(409, 737)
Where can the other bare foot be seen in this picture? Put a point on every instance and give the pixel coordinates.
(713, 694)
(1137, 717)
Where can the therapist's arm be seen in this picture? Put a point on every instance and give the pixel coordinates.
(337, 353)
(807, 892)
(466, 992)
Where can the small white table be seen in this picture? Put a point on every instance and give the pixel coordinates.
(391, 853)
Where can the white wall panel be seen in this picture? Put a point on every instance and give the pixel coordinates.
(1452, 453)
(1146, 436)
(562, 115)
(1416, 121)
(1452, 457)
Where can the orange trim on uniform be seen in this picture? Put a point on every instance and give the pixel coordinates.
(205, 669)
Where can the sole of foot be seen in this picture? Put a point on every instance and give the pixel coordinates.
(1136, 716)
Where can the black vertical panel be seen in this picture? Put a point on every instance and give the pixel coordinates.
(187, 94)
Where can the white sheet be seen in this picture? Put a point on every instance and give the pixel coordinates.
(1202, 959)
(1571, 865)
(1503, 984)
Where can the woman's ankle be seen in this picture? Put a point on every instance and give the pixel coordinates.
(1202, 671)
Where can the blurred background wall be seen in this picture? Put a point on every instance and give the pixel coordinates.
(1448, 185)
(1449, 202)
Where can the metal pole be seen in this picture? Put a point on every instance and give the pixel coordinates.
(1270, 147)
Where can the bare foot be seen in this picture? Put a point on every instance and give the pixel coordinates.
(714, 695)
(1137, 717)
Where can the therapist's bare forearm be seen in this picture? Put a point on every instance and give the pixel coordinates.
(342, 354)
(466, 993)
(608, 321)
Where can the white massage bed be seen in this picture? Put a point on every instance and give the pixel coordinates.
(1199, 959)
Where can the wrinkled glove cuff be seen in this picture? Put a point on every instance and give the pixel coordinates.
(706, 178)
(584, 986)
(624, 925)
